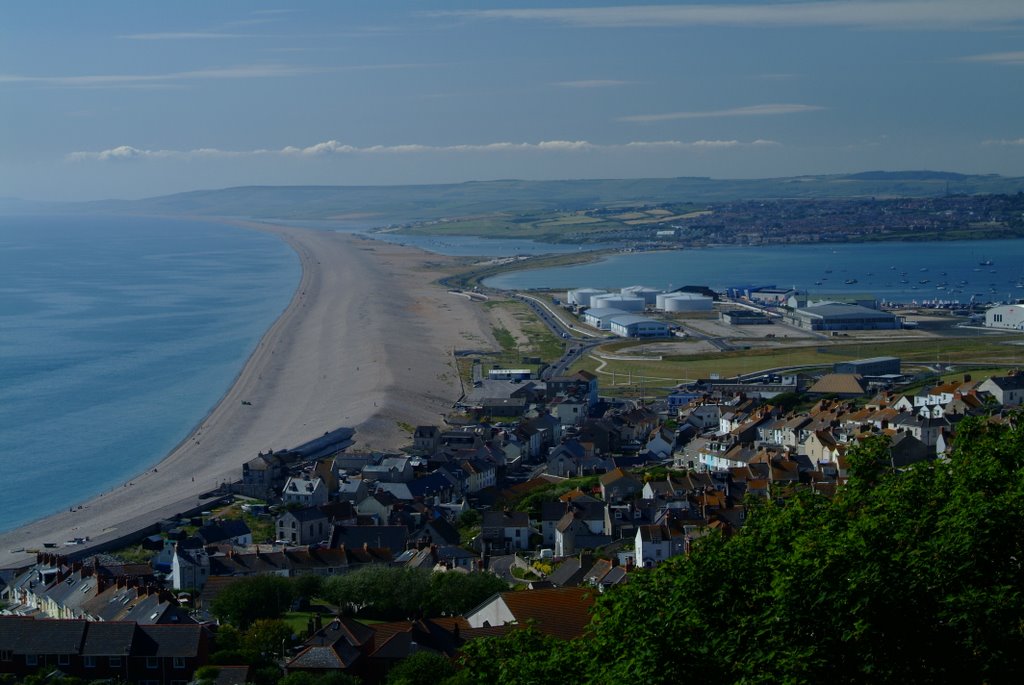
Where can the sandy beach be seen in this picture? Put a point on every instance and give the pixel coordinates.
(366, 342)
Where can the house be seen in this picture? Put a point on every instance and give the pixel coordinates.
(1007, 390)
(617, 485)
(656, 543)
(92, 651)
(190, 568)
(426, 439)
(305, 491)
(303, 526)
(232, 532)
(563, 613)
(505, 530)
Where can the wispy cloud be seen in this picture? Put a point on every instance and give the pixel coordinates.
(247, 71)
(334, 147)
(592, 83)
(1018, 142)
(916, 14)
(182, 35)
(1009, 58)
(749, 111)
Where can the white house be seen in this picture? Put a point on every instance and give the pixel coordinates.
(656, 543)
(1008, 390)
(189, 568)
(305, 491)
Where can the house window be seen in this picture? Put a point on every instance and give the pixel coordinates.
(5, 655)
(63, 659)
(152, 662)
(114, 662)
(179, 662)
(89, 662)
(31, 660)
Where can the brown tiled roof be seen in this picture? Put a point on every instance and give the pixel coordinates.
(839, 384)
(560, 612)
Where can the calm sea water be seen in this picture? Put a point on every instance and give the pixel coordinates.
(117, 335)
(898, 272)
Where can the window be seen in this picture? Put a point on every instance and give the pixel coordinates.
(179, 662)
(114, 662)
(152, 662)
(31, 660)
(5, 655)
(63, 659)
(89, 661)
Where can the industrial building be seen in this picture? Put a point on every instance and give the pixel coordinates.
(601, 318)
(649, 295)
(744, 317)
(875, 366)
(638, 327)
(1009, 316)
(842, 317)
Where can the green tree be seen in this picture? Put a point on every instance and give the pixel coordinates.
(454, 593)
(308, 586)
(380, 592)
(422, 668)
(267, 637)
(253, 598)
(909, 575)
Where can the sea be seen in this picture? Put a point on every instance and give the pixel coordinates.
(117, 336)
(932, 273)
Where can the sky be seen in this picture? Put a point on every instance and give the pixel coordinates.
(133, 99)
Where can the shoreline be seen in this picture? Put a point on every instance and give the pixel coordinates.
(328, 360)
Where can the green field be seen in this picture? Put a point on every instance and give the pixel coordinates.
(671, 370)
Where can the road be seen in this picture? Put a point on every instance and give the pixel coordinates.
(577, 341)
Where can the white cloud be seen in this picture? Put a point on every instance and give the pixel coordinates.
(1008, 58)
(592, 83)
(749, 111)
(245, 71)
(912, 14)
(333, 147)
(1014, 143)
(181, 35)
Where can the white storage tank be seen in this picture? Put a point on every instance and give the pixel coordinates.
(659, 301)
(582, 296)
(688, 302)
(628, 304)
(649, 295)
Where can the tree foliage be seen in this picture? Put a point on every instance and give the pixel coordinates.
(254, 598)
(422, 668)
(389, 593)
(910, 576)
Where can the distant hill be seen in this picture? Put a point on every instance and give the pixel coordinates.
(379, 205)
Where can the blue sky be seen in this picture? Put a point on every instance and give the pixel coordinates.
(132, 99)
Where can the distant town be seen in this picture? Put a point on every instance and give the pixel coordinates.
(553, 486)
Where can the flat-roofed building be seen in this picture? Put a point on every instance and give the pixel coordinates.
(842, 317)
(638, 327)
(601, 317)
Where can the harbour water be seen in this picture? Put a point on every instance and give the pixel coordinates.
(117, 335)
(925, 272)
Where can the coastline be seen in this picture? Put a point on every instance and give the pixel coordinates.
(364, 342)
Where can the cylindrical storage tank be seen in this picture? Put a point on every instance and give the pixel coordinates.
(627, 304)
(688, 302)
(659, 301)
(650, 295)
(582, 296)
